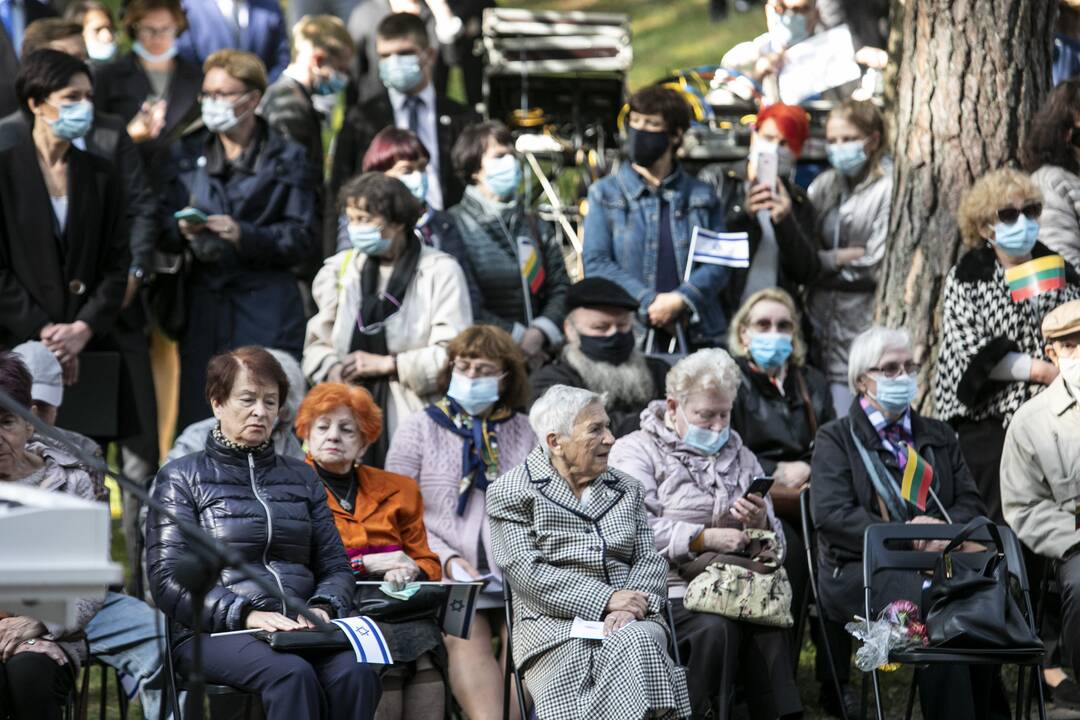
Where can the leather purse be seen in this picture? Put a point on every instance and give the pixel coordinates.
(305, 640)
(424, 605)
(976, 608)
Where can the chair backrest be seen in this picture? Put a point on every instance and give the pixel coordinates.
(878, 556)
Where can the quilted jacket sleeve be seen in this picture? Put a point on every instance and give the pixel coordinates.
(333, 576)
(166, 546)
(553, 591)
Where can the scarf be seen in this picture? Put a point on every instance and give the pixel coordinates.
(480, 449)
(237, 447)
(370, 333)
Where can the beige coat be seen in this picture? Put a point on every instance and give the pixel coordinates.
(1040, 471)
(435, 309)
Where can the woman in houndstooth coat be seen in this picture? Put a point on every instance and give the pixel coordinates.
(572, 539)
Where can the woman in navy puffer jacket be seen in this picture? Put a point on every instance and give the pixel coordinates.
(272, 511)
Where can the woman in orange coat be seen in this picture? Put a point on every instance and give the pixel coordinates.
(380, 516)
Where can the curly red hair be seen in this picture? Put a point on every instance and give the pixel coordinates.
(326, 397)
(793, 122)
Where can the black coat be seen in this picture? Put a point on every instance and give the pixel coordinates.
(365, 120)
(775, 427)
(121, 86)
(845, 504)
(269, 509)
(51, 277)
(9, 60)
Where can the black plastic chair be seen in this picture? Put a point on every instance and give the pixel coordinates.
(878, 556)
(808, 535)
(174, 684)
(83, 702)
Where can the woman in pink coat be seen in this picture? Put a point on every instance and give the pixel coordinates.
(695, 471)
(455, 449)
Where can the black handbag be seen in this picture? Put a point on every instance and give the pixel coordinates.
(424, 605)
(295, 640)
(973, 608)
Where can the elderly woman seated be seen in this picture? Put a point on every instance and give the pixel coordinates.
(695, 473)
(573, 541)
(380, 517)
(38, 662)
(850, 492)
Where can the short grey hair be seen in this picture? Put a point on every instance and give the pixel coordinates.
(556, 409)
(869, 346)
(711, 369)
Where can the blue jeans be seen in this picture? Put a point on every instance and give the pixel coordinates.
(129, 635)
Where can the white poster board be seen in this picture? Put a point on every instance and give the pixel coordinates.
(819, 63)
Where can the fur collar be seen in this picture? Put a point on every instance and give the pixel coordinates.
(979, 264)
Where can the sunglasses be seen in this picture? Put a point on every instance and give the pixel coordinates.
(1009, 215)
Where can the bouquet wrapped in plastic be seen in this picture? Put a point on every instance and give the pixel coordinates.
(898, 626)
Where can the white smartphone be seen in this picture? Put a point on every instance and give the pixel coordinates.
(767, 163)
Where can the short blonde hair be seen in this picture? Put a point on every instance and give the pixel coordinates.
(742, 318)
(244, 66)
(323, 32)
(979, 205)
(711, 369)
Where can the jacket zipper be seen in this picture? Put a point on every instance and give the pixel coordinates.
(269, 532)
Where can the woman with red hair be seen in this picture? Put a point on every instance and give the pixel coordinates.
(776, 215)
(398, 153)
(380, 517)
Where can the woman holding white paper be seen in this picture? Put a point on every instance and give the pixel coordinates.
(380, 516)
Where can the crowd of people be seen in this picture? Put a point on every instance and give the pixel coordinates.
(387, 372)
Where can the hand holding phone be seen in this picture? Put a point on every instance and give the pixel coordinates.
(195, 216)
(759, 486)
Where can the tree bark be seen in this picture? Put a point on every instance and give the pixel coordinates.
(971, 73)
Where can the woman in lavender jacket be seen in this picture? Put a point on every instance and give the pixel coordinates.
(454, 449)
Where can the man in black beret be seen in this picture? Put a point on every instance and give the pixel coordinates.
(600, 354)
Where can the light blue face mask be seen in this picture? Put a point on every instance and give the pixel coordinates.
(895, 395)
(150, 57)
(474, 395)
(503, 175)
(790, 28)
(1017, 239)
(704, 440)
(417, 182)
(404, 593)
(74, 121)
(100, 52)
(770, 350)
(368, 239)
(219, 115)
(331, 85)
(401, 72)
(848, 158)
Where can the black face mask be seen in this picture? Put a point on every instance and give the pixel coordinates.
(645, 147)
(612, 349)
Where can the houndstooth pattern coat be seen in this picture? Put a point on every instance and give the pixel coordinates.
(564, 559)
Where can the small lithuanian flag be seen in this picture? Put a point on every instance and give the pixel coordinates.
(917, 478)
(1036, 277)
(532, 266)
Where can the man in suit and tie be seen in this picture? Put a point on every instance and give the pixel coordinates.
(15, 15)
(406, 66)
(256, 26)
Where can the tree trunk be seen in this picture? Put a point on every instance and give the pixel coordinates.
(971, 73)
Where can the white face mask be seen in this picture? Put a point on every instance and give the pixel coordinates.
(1070, 370)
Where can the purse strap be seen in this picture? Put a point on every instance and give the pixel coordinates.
(811, 416)
(969, 529)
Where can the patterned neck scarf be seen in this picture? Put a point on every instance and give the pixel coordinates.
(895, 436)
(237, 447)
(480, 449)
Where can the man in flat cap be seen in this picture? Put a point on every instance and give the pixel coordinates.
(600, 354)
(1040, 478)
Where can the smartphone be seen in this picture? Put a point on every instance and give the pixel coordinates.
(760, 486)
(191, 214)
(768, 162)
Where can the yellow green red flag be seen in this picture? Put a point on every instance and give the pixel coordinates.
(917, 478)
(1036, 277)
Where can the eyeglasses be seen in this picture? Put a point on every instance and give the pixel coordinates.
(152, 32)
(764, 325)
(222, 95)
(480, 371)
(895, 369)
(1010, 215)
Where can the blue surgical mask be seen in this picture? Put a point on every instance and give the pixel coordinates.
(150, 57)
(895, 395)
(368, 239)
(1017, 239)
(219, 115)
(770, 350)
(417, 182)
(401, 72)
(848, 158)
(789, 28)
(503, 175)
(704, 440)
(474, 395)
(100, 52)
(331, 85)
(74, 121)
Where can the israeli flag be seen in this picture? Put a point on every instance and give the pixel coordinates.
(366, 639)
(457, 614)
(716, 248)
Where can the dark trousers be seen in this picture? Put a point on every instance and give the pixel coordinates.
(717, 652)
(799, 578)
(1068, 574)
(981, 444)
(34, 687)
(328, 684)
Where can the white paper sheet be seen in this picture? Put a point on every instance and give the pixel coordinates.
(819, 63)
(590, 629)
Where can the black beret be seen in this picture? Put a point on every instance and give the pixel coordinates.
(599, 292)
